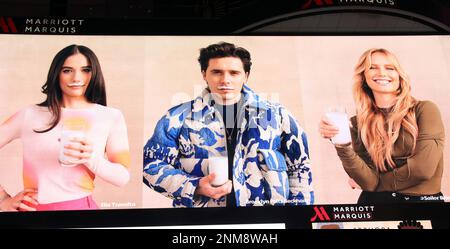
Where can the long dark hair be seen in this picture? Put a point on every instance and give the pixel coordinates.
(95, 92)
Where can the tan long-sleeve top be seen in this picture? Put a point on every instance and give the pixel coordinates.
(419, 173)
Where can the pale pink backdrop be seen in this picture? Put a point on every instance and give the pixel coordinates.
(326, 69)
(24, 64)
(147, 75)
(305, 74)
(173, 76)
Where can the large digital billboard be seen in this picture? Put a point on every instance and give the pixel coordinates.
(158, 97)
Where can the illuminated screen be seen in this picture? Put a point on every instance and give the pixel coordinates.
(145, 76)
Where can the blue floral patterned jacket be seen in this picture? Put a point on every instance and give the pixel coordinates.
(271, 161)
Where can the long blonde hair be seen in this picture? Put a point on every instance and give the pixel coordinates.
(379, 133)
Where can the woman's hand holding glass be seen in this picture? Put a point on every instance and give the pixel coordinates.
(335, 126)
(79, 150)
(326, 129)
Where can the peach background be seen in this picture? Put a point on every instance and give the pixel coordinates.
(24, 64)
(326, 69)
(145, 76)
(173, 76)
(305, 74)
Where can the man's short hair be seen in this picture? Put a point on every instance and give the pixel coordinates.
(221, 50)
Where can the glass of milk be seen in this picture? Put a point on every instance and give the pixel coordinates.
(219, 166)
(68, 133)
(339, 118)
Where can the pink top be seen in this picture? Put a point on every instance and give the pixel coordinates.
(104, 127)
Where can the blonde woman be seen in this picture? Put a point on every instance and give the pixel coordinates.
(396, 153)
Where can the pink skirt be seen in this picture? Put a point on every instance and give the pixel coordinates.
(84, 203)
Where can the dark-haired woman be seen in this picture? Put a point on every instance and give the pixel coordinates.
(58, 169)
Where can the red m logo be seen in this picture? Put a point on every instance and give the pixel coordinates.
(317, 2)
(7, 25)
(321, 214)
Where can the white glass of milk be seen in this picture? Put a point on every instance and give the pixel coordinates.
(219, 166)
(339, 118)
(69, 133)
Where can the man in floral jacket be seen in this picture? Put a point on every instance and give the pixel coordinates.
(268, 158)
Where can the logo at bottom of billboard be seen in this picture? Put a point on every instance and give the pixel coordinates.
(343, 213)
(358, 217)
